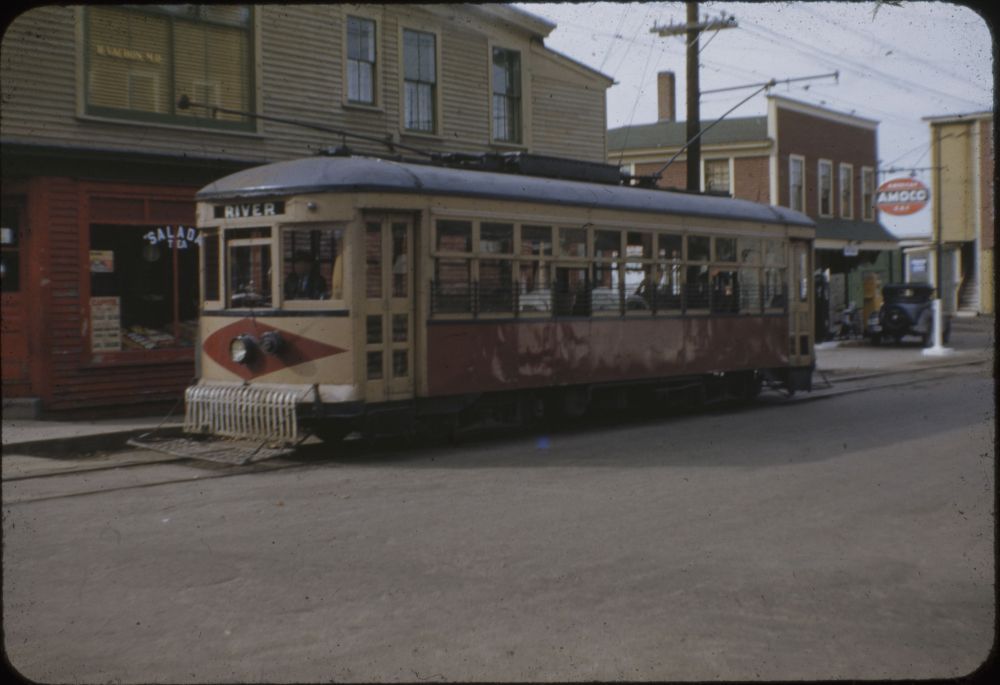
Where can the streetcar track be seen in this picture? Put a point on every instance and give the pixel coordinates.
(251, 470)
(360, 449)
(94, 469)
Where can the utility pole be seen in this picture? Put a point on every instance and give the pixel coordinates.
(692, 30)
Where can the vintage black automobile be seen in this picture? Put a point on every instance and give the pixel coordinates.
(906, 310)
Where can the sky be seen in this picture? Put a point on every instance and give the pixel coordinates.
(896, 64)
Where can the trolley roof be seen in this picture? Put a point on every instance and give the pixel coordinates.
(367, 174)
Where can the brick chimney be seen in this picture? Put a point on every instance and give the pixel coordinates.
(665, 96)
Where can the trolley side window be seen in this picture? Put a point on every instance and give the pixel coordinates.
(533, 278)
(451, 289)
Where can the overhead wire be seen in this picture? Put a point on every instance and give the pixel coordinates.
(864, 70)
(869, 36)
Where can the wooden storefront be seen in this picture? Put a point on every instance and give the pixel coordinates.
(104, 307)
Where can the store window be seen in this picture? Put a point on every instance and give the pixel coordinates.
(141, 60)
(10, 251)
(419, 81)
(361, 60)
(312, 258)
(143, 287)
(506, 95)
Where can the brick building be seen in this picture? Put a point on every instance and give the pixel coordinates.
(798, 155)
(100, 164)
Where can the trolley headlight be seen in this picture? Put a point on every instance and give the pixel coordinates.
(272, 342)
(242, 349)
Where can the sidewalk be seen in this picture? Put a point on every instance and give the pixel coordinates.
(836, 362)
(848, 361)
(26, 436)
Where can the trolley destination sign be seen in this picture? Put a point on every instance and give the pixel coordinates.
(902, 196)
(249, 209)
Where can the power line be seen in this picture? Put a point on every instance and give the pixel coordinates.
(621, 20)
(702, 132)
(864, 70)
(868, 35)
(635, 104)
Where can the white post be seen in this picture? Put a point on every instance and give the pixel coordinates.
(938, 349)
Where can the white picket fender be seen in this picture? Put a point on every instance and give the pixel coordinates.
(242, 411)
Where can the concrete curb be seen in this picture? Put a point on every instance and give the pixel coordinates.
(95, 442)
(903, 369)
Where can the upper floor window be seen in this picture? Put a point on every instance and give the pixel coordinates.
(846, 191)
(717, 175)
(825, 174)
(360, 60)
(140, 60)
(868, 193)
(796, 183)
(419, 80)
(506, 95)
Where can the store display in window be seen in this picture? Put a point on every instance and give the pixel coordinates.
(150, 276)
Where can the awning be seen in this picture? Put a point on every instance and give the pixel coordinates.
(837, 234)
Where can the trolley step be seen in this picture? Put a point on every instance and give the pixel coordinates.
(219, 450)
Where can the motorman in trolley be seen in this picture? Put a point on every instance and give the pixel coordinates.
(304, 281)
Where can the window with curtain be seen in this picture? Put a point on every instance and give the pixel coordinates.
(507, 95)
(847, 191)
(868, 193)
(825, 170)
(360, 60)
(141, 60)
(419, 80)
(717, 175)
(796, 186)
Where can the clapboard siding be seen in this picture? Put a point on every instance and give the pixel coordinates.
(301, 54)
(563, 116)
(299, 57)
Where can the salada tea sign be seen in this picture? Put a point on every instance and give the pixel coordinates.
(902, 196)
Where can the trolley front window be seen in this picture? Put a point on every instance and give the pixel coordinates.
(313, 268)
(250, 277)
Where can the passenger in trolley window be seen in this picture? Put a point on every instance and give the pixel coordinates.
(304, 281)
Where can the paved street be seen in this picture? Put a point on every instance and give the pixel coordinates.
(849, 537)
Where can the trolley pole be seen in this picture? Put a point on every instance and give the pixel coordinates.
(692, 30)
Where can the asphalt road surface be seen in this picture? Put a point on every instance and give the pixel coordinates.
(850, 537)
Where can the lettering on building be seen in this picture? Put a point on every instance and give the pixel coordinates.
(901, 196)
(129, 54)
(183, 236)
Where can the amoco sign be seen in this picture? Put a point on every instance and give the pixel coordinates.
(901, 196)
